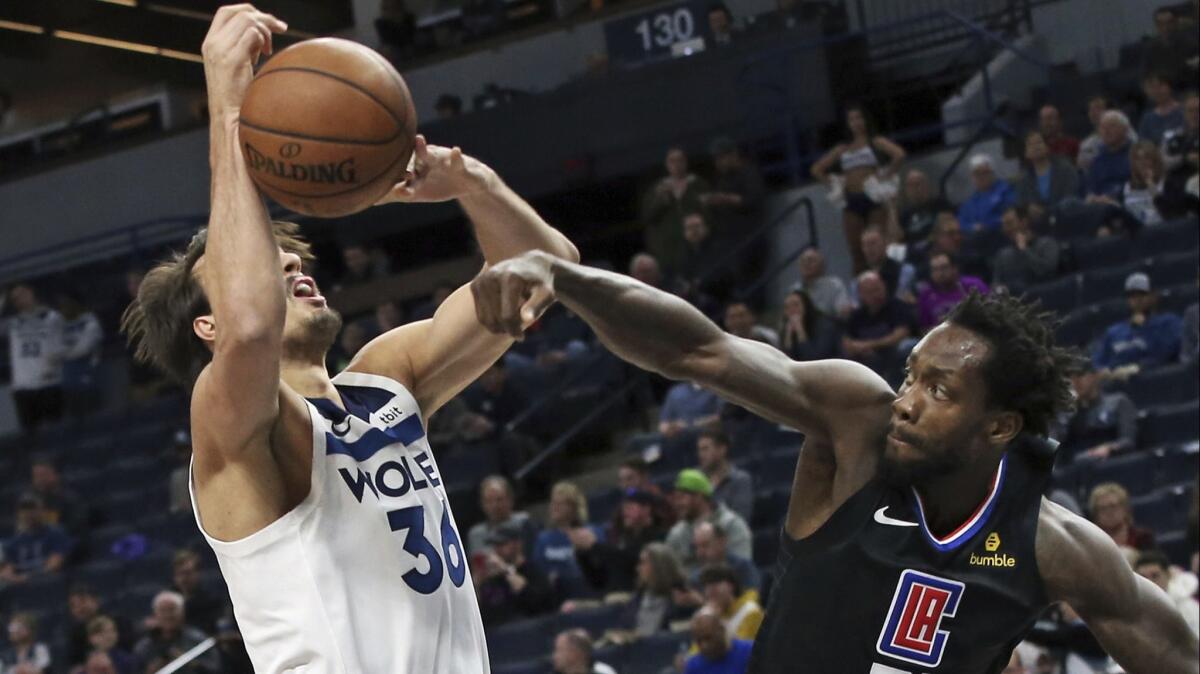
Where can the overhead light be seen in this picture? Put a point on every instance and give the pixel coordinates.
(206, 17)
(127, 3)
(126, 45)
(23, 27)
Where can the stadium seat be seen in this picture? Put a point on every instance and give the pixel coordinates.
(104, 575)
(40, 594)
(1163, 385)
(1170, 424)
(1088, 323)
(649, 655)
(1177, 547)
(1133, 471)
(1175, 269)
(1177, 299)
(1104, 285)
(596, 620)
(526, 667)
(1166, 238)
(1060, 296)
(1103, 253)
(1078, 220)
(522, 639)
(602, 504)
(1175, 464)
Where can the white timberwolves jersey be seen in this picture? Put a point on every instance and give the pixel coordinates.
(367, 575)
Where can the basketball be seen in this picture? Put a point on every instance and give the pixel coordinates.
(327, 127)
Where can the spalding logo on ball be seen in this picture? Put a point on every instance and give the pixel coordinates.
(327, 127)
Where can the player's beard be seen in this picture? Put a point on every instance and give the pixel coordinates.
(315, 336)
(934, 460)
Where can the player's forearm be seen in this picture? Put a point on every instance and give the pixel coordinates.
(241, 256)
(506, 225)
(645, 326)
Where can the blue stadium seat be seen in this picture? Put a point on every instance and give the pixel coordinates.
(1074, 220)
(1168, 237)
(1165, 509)
(105, 576)
(651, 654)
(1175, 269)
(1101, 253)
(1060, 296)
(1103, 285)
(1133, 471)
(521, 640)
(40, 594)
(1088, 323)
(596, 620)
(1164, 385)
(1175, 464)
(130, 505)
(1177, 299)
(1170, 424)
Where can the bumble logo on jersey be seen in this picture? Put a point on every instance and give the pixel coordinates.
(996, 559)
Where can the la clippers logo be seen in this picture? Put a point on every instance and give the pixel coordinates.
(912, 631)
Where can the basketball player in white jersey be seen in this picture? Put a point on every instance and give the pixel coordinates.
(321, 497)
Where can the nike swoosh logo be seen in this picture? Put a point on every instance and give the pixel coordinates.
(884, 519)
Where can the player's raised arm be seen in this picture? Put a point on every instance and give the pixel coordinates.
(240, 271)
(439, 357)
(662, 333)
(1133, 619)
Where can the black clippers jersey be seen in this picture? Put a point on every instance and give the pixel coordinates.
(873, 592)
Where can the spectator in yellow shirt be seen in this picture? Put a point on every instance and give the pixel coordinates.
(738, 608)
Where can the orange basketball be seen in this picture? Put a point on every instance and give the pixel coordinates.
(327, 127)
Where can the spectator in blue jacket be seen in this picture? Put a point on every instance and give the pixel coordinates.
(1110, 170)
(717, 653)
(36, 548)
(983, 209)
(554, 548)
(1146, 339)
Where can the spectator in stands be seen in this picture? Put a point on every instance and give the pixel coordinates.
(1046, 179)
(720, 24)
(660, 579)
(1154, 566)
(353, 338)
(204, 607)
(554, 548)
(610, 563)
(947, 287)
(37, 547)
(737, 605)
(899, 277)
(388, 316)
(919, 207)
(169, 637)
(1164, 114)
(881, 331)
(804, 333)
(948, 238)
(712, 548)
(634, 474)
(1103, 422)
(982, 210)
(180, 495)
(742, 321)
(497, 500)
(1090, 147)
(735, 202)
(35, 356)
(100, 663)
(82, 338)
(1140, 195)
(1181, 154)
(573, 654)
(687, 406)
(103, 636)
(1110, 510)
(440, 292)
(827, 292)
(717, 653)
(701, 282)
(645, 268)
(1029, 259)
(83, 606)
(448, 106)
(665, 205)
(1189, 350)
(60, 505)
(1110, 170)
(1147, 339)
(1050, 127)
(731, 485)
(363, 264)
(512, 586)
(1172, 50)
(693, 498)
(858, 158)
(25, 654)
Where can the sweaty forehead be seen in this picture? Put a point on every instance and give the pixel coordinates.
(952, 348)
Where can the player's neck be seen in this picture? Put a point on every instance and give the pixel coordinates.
(310, 380)
(949, 500)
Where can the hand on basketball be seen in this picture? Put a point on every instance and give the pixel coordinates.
(238, 36)
(512, 295)
(439, 174)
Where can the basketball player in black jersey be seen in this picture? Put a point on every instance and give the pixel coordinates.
(917, 538)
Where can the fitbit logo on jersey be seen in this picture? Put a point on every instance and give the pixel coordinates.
(328, 172)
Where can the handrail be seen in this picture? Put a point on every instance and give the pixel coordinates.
(186, 659)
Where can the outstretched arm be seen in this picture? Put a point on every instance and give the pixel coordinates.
(660, 332)
(439, 357)
(1133, 619)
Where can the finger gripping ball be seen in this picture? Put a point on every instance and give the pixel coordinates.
(327, 127)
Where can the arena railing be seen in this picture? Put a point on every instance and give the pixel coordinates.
(187, 657)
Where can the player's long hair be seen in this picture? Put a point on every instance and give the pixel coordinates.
(1026, 371)
(158, 323)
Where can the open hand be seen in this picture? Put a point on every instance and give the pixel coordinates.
(439, 174)
(512, 295)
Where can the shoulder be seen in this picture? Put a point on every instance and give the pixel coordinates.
(1076, 560)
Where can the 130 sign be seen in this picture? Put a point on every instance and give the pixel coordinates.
(665, 29)
(639, 37)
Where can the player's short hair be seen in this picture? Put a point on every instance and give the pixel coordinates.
(158, 323)
(720, 573)
(1025, 372)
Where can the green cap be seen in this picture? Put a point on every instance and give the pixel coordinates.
(693, 481)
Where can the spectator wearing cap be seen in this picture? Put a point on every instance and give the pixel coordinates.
(716, 652)
(687, 406)
(1154, 566)
(511, 586)
(1103, 423)
(498, 501)
(731, 485)
(37, 547)
(1050, 127)
(169, 637)
(25, 654)
(104, 636)
(1109, 507)
(573, 654)
(568, 529)
(1147, 338)
(73, 638)
(712, 548)
(828, 292)
(947, 287)
(737, 605)
(737, 193)
(204, 606)
(1110, 170)
(610, 563)
(693, 498)
(665, 206)
(1029, 258)
(60, 505)
(982, 210)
